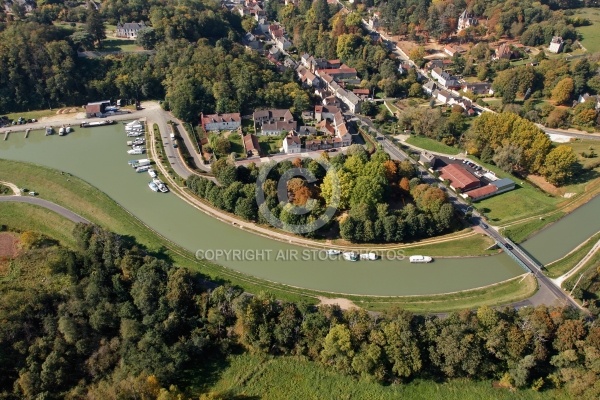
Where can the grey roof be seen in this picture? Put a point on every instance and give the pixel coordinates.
(502, 183)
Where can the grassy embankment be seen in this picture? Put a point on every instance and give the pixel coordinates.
(431, 145)
(254, 376)
(96, 206)
(565, 264)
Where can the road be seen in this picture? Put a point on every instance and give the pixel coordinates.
(46, 204)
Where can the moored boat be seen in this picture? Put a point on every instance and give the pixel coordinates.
(152, 173)
(161, 185)
(420, 259)
(96, 123)
(49, 131)
(68, 129)
(153, 186)
(333, 252)
(350, 256)
(62, 131)
(135, 151)
(143, 168)
(368, 256)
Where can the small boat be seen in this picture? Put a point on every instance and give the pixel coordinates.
(420, 259)
(143, 168)
(368, 256)
(139, 141)
(96, 123)
(333, 252)
(350, 256)
(130, 143)
(153, 186)
(134, 134)
(49, 131)
(68, 129)
(62, 131)
(139, 163)
(161, 185)
(152, 173)
(135, 151)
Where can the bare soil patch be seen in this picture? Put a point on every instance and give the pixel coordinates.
(344, 304)
(9, 249)
(543, 184)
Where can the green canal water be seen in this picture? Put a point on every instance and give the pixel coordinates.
(99, 156)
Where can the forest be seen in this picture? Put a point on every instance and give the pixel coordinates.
(110, 319)
(377, 200)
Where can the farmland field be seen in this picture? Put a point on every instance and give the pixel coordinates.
(591, 34)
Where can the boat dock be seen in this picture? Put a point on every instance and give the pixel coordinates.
(27, 132)
(6, 135)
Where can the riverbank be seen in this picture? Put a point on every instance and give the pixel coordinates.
(99, 208)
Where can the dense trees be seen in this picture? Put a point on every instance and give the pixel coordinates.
(104, 310)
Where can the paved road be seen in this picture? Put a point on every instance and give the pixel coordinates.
(46, 204)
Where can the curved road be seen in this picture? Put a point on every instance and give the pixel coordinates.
(46, 204)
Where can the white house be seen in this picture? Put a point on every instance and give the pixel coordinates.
(220, 122)
(556, 45)
(444, 78)
(291, 144)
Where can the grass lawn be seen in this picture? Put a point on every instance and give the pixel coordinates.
(586, 146)
(520, 232)
(591, 34)
(455, 248)
(33, 114)
(5, 190)
(260, 377)
(589, 268)
(123, 45)
(270, 144)
(565, 264)
(431, 145)
(525, 201)
(20, 217)
(236, 144)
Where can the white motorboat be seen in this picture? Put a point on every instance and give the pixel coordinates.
(161, 185)
(139, 163)
(135, 151)
(333, 252)
(49, 131)
(139, 141)
(153, 186)
(134, 133)
(350, 256)
(62, 131)
(420, 259)
(152, 173)
(368, 256)
(68, 129)
(143, 168)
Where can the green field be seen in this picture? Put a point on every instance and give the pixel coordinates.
(591, 34)
(31, 115)
(567, 263)
(260, 377)
(269, 144)
(123, 45)
(431, 145)
(21, 217)
(525, 201)
(236, 144)
(586, 146)
(455, 248)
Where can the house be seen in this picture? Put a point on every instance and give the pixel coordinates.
(325, 127)
(460, 179)
(129, 29)
(373, 22)
(587, 97)
(504, 52)
(404, 67)
(306, 131)
(275, 52)
(430, 87)
(478, 88)
(438, 64)
(220, 122)
(556, 45)
(291, 144)
(249, 40)
(453, 50)
(325, 112)
(466, 20)
(427, 159)
(97, 109)
(308, 115)
(444, 96)
(331, 101)
(273, 122)
(251, 145)
(362, 94)
(444, 78)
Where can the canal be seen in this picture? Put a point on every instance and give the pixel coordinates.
(99, 156)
